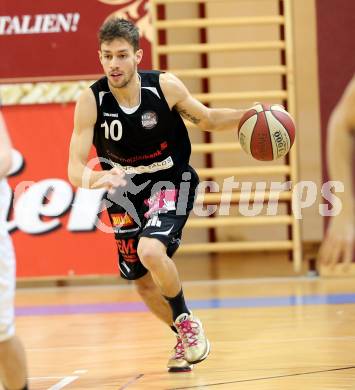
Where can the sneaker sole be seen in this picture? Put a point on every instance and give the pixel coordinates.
(179, 369)
(203, 357)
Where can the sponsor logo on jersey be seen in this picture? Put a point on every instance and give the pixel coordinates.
(149, 119)
(133, 159)
(151, 168)
(112, 115)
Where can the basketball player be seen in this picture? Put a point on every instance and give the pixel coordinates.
(134, 119)
(338, 244)
(13, 372)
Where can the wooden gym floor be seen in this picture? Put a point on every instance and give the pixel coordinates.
(281, 333)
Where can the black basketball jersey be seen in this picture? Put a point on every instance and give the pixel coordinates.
(150, 143)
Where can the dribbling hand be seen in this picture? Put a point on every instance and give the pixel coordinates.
(111, 180)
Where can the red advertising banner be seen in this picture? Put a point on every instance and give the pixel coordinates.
(53, 225)
(57, 40)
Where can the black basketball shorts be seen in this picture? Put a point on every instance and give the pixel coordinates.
(156, 212)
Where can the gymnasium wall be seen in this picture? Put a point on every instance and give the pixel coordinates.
(245, 83)
(63, 251)
(336, 53)
(181, 61)
(306, 88)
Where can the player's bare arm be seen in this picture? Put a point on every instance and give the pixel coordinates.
(208, 119)
(80, 175)
(342, 118)
(339, 240)
(5, 149)
(340, 143)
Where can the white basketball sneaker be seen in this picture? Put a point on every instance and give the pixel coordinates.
(177, 362)
(196, 345)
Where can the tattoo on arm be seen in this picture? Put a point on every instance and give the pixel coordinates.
(188, 116)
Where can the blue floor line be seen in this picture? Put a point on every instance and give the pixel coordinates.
(214, 303)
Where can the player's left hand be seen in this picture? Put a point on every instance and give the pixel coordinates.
(338, 244)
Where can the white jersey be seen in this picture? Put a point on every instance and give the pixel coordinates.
(7, 268)
(5, 196)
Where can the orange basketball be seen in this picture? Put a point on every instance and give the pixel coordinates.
(266, 132)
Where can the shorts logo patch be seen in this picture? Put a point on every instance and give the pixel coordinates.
(154, 221)
(127, 249)
(122, 220)
(149, 119)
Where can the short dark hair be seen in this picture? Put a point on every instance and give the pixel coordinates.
(119, 28)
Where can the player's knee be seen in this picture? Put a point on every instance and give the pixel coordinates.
(151, 252)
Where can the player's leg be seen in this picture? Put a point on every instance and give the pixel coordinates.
(166, 212)
(126, 235)
(151, 295)
(13, 372)
(158, 305)
(131, 268)
(162, 232)
(127, 232)
(152, 254)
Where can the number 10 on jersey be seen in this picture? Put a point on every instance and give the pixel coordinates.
(113, 131)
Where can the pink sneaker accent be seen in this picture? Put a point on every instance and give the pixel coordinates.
(179, 349)
(196, 344)
(177, 362)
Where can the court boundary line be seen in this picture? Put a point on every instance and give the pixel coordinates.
(265, 378)
(63, 380)
(302, 300)
(131, 381)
